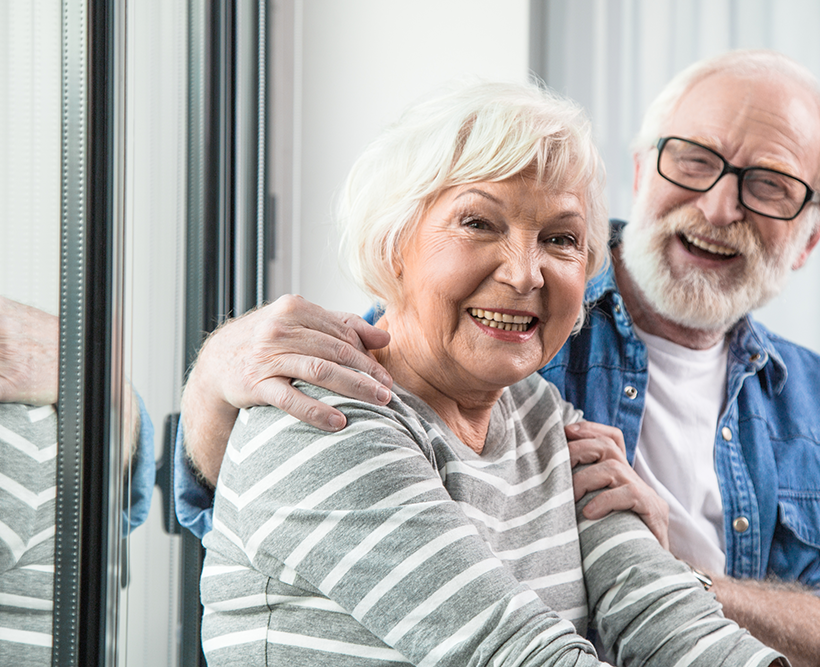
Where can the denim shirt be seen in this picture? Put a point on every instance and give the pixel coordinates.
(767, 442)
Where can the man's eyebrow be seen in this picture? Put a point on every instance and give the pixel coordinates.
(777, 165)
(766, 163)
(478, 191)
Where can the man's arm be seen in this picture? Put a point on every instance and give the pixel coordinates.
(29, 354)
(786, 616)
(252, 359)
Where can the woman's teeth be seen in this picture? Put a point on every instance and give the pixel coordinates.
(502, 321)
(710, 247)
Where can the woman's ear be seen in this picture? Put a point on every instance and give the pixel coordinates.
(398, 266)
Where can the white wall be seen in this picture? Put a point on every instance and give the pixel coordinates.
(362, 63)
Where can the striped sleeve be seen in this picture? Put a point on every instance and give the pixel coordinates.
(365, 557)
(28, 449)
(647, 606)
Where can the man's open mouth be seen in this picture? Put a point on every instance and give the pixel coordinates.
(705, 249)
(503, 321)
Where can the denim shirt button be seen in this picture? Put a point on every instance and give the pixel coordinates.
(726, 432)
(754, 357)
(631, 392)
(617, 308)
(741, 524)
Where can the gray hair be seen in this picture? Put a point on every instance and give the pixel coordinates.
(477, 131)
(741, 63)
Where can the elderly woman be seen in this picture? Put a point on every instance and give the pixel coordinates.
(441, 529)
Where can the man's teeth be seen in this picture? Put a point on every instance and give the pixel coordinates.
(710, 247)
(490, 318)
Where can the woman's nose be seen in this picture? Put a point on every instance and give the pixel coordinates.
(522, 270)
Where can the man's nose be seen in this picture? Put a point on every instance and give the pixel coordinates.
(721, 205)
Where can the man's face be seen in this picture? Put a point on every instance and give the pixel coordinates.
(700, 258)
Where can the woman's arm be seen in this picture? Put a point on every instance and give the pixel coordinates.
(361, 518)
(647, 606)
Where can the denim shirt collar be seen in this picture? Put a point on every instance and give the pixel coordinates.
(750, 346)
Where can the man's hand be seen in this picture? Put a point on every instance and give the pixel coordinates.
(603, 447)
(251, 361)
(29, 354)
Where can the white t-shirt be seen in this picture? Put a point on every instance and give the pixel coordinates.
(676, 445)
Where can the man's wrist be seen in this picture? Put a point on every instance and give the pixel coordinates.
(703, 578)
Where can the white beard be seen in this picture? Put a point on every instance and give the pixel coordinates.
(699, 299)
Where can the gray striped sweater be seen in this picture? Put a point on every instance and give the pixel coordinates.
(28, 451)
(393, 543)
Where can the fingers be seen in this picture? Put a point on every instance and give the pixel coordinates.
(294, 339)
(372, 337)
(320, 347)
(624, 490)
(591, 430)
(601, 475)
(652, 509)
(589, 442)
(279, 392)
(293, 326)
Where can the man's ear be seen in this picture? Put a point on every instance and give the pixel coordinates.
(813, 239)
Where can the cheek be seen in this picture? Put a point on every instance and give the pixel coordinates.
(449, 275)
(660, 196)
(565, 287)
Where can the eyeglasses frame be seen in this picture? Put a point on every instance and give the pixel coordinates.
(740, 172)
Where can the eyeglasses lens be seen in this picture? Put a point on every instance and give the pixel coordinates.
(763, 191)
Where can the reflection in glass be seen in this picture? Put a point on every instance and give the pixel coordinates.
(30, 107)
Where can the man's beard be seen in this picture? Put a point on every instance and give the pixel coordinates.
(702, 299)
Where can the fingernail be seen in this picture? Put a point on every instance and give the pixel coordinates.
(336, 422)
(382, 395)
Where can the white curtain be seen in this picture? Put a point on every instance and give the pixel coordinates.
(30, 92)
(614, 56)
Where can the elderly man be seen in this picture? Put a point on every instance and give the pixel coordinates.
(721, 418)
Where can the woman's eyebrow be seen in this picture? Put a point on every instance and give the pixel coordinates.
(478, 191)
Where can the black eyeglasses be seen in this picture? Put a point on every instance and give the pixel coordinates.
(765, 191)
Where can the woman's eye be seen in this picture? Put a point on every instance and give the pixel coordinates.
(562, 240)
(476, 223)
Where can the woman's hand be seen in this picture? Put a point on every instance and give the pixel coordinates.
(602, 448)
(252, 360)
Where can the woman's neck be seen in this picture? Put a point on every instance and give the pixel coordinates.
(465, 410)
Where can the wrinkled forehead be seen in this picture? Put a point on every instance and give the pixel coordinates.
(754, 120)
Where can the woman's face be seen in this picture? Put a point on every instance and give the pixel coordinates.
(492, 283)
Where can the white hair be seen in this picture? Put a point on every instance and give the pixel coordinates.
(741, 63)
(476, 131)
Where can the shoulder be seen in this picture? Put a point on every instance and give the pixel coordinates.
(534, 399)
(267, 423)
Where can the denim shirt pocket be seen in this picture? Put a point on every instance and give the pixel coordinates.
(796, 549)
